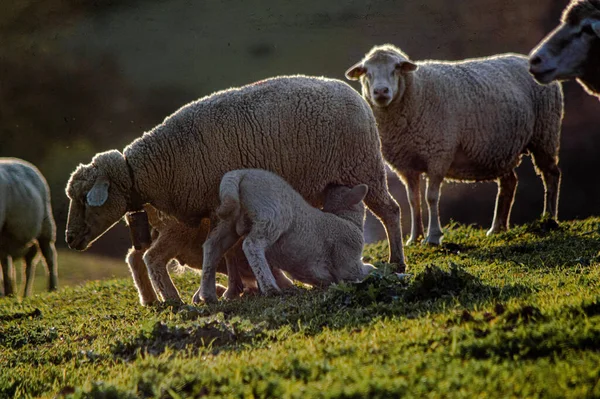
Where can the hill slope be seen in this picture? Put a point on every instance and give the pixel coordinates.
(513, 315)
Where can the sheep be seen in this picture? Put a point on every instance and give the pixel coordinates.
(572, 50)
(311, 131)
(172, 240)
(466, 121)
(26, 223)
(281, 229)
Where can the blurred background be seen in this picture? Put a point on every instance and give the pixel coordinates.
(82, 76)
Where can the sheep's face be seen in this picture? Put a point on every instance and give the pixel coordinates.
(96, 205)
(382, 76)
(562, 55)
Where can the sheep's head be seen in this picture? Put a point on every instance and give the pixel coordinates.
(99, 194)
(382, 74)
(567, 51)
(346, 202)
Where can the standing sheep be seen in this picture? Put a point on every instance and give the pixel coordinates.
(311, 131)
(26, 223)
(467, 121)
(572, 50)
(174, 240)
(281, 229)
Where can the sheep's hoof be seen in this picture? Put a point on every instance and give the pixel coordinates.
(433, 240)
(495, 230)
(271, 292)
(221, 291)
(231, 293)
(199, 299)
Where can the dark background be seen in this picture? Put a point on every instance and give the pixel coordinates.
(81, 76)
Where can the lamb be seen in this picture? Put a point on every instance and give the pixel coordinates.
(281, 229)
(572, 50)
(467, 121)
(26, 223)
(172, 240)
(311, 131)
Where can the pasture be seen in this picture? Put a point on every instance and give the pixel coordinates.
(514, 315)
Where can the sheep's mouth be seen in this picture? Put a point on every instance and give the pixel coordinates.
(80, 242)
(382, 100)
(545, 76)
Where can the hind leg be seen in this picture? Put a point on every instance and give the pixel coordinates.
(412, 181)
(434, 230)
(49, 253)
(156, 259)
(30, 269)
(547, 165)
(254, 246)
(8, 272)
(507, 187)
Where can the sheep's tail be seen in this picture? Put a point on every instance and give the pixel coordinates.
(229, 195)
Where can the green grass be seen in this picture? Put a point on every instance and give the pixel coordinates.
(515, 315)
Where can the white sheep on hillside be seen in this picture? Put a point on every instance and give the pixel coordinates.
(572, 50)
(467, 121)
(311, 131)
(281, 229)
(26, 223)
(172, 240)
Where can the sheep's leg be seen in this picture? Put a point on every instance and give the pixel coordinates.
(412, 182)
(139, 272)
(156, 259)
(281, 279)
(30, 269)
(507, 187)
(49, 253)
(234, 259)
(434, 230)
(386, 209)
(547, 164)
(9, 275)
(254, 247)
(218, 242)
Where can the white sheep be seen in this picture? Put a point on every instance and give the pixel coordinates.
(572, 50)
(467, 121)
(26, 223)
(281, 229)
(311, 131)
(171, 240)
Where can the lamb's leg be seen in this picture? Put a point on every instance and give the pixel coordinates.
(434, 230)
(281, 279)
(156, 259)
(412, 181)
(386, 209)
(49, 253)
(30, 269)
(218, 242)
(547, 164)
(235, 259)
(254, 248)
(8, 272)
(139, 272)
(507, 187)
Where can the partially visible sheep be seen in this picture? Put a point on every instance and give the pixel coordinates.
(311, 131)
(468, 121)
(172, 240)
(572, 50)
(281, 229)
(26, 223)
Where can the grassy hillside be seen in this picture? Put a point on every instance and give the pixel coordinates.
(517, 315)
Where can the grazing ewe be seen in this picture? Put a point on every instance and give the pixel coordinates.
(174, 240)
(312, 131)
(466, 121)
(26, 223)
(572, 50)
(281, 229)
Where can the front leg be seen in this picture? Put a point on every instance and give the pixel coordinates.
(157, 258)
(235, 259)
(434, 230)
(412, 181)
(139, 272)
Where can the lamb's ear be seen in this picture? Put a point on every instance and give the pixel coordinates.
(596, 27)
(356, 71)
(406, 66)
(98, 194)
(356, 195)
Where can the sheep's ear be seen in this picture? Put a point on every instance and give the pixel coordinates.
(357, 194)
(406, 66)
(356, 71)
(596, 27)
(98, 194)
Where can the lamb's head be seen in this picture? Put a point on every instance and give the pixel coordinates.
(382, 74)
(572, 49)
(99, 194)
(346, 202)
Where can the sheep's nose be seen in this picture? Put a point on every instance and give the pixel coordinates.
(535, 60)
(69, 237)
(381, 91)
